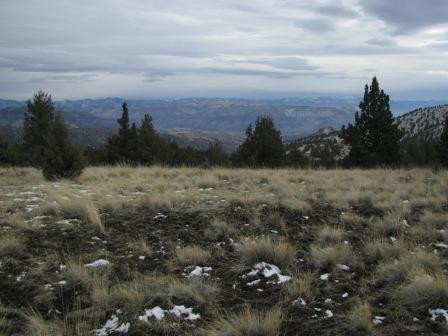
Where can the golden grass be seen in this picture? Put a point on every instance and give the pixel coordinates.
(425, 291)
(326, 258)
(192, 256)
(301, 286)
(328, 235)
(198, 291)
(278, 252)
(248, 323)
(84, 210)
(361, 319)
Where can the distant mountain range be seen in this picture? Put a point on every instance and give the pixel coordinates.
(197, 122)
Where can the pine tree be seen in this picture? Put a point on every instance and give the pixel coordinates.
(61, 159)
(118, 145)
(442, 146)
(7, 153)
(148, 141)
(374, 138)
(263, 146)
(37, 127)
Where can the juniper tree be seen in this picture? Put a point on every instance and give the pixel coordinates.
(37, 127)
(263, 146)
(374, 138)
(61, 158)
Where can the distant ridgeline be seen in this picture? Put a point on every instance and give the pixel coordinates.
(421, 125)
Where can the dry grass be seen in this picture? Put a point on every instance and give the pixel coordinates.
(11, 247)
(360, 318)
(328, 235)
(85, 210)
(383, 250)
(192, 256)
(326, 258)
(141, 248)
(219, 230)
(248, 323)
(425, 291)
(196, 291)
(407, 273)
(301, 286)
(278, 252)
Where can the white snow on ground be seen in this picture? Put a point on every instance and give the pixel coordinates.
(345, 295)
(67, 221)
(112, 326)
(441, 245)
(179, 311)
(299, 301)
(343, 267)
(439, 312)
(155, 312)
(325, 276)
(254, 283)
(160, 215)
(378, 320)
(99, 262)
(328, 313)
(197, 271)
(268, 270)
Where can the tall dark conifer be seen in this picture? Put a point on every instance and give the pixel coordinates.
(374, 138)
(61, 158)
(263, 146)
(37, 127)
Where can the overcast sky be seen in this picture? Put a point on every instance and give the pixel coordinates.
(223, 48)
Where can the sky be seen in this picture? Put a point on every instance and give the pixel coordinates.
(223, 48)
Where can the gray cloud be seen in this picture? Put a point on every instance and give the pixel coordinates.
(218, 48)
(407, 16)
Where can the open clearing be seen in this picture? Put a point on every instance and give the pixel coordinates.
(160, 251)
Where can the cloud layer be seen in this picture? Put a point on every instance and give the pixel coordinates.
(255, 48)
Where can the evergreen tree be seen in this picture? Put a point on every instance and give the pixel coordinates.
(374, 138)
(215, 155)
(148, 141)
(119, 145)
(7, 153)
(262, 147)
(442, 146)
(37, 127)
(61, 159)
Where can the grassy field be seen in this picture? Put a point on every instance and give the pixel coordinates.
(159, 251)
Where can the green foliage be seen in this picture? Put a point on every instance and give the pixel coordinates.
(142, 145)
(442, 146)
(61, 159)
(8, 153)
(37, 127)
(374, 138)
(263, 146)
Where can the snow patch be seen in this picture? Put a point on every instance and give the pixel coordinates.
(112, 326)
(99, 262)
(439, 312)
